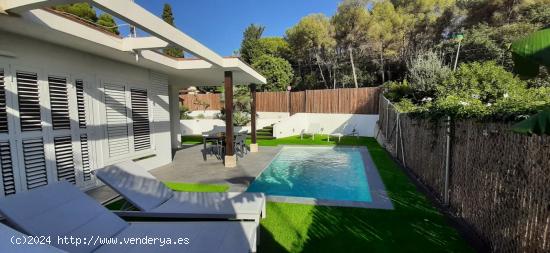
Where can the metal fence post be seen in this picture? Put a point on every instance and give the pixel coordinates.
(447, 160)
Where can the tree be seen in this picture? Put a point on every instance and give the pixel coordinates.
(108, 22)
(275, 46)
(386, 31)
(168, 17)
(81, 10)
(87, 12)
(350, 23)
(250, 45)
(312, 38)
(276, 70)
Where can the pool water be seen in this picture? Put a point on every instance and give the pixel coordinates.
(321, 173)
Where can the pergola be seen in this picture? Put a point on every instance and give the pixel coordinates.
(32, 17)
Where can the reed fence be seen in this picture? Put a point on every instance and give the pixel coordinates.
(497, 180)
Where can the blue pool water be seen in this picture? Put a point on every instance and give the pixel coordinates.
(322, 173)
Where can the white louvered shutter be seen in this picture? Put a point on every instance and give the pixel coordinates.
(86, 170)
(79, 85)
(59, 103)
(161, 115)
(140, 118)
(6, 163)
(3, 113)
(29, 104)
(64, 159)
(117, 120)
(34, 163)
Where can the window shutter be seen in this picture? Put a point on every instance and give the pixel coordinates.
(85, 157)
(64, 159)
(80, 103)
(3, 114)
(140, 117)
(35, 163)
(8, 178)
(29, 105)
(117, 120)
(59, 103)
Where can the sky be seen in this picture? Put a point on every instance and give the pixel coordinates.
(219, 24)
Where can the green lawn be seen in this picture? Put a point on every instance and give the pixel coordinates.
(413, 226)
(189, 187)
(293, 140)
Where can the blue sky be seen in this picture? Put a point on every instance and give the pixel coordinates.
(219, 24)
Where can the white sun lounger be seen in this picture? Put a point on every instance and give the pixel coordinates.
(60, 210)
(312, 129)
(343, 131)
(13, 241)
(154, 199)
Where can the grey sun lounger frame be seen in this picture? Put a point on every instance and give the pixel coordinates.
(155, 200)
(60, 209)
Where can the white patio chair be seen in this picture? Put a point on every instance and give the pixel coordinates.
(61, 210)
(312, 129)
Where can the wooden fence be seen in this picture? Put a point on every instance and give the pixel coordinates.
(498, 180)
(350, 100)
(356, 101)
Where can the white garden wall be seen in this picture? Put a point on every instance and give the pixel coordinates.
(364, 124)
(199, 126)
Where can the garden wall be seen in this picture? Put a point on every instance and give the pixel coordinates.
(498, 182)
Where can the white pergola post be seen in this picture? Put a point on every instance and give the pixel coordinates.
(175, 125)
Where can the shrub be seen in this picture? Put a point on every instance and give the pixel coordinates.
(395, 91)
(484, 81)
(425, 72)
(184, 112)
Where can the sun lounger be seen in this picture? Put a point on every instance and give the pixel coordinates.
(342, 131)
(60, 210)
(154, 199)
(13, 241)
(312, 129)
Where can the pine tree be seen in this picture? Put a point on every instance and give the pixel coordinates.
(168, 17)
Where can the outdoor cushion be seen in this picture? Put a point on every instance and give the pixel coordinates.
(61, 209)
(57, 210)
(137, 185)
(126, 178)
(15, 242)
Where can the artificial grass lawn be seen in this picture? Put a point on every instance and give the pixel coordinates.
(293, 140)
(413, 226)
(188, 187)
(176, 186)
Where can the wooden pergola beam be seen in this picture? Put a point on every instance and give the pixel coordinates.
(253, 145)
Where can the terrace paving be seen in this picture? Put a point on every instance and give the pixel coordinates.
(189, 166)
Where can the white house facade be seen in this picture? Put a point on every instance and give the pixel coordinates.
(74, 99)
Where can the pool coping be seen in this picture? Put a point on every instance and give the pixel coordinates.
(379, 196)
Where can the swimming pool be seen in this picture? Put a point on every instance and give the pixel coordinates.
(343, 176)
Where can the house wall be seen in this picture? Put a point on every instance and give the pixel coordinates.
(363, 124)
(48, 60)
